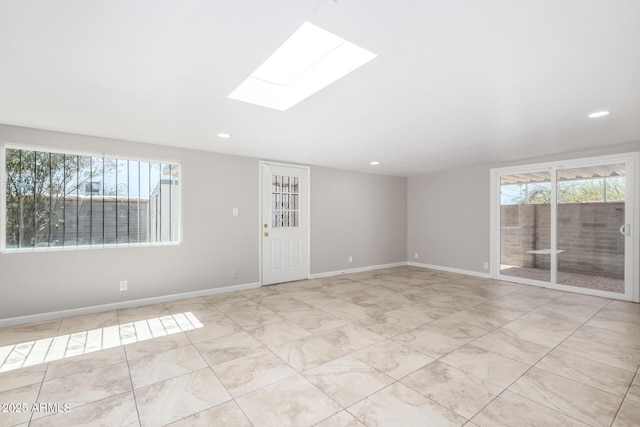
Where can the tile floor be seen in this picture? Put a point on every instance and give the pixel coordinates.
(396, 347)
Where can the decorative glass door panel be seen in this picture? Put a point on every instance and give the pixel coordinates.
(591, 212)
(525, 234)
(285, 201)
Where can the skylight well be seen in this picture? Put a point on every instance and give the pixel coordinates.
(310, 60)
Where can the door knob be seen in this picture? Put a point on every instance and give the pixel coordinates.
(266, 234)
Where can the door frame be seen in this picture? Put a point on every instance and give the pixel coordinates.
(260, 212)
(632, 248)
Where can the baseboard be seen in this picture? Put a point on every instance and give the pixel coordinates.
(43, 317)
(451, 270)
(356, 270)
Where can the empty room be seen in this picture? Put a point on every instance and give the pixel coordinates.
(319, 213)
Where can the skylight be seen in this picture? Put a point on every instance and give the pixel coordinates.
(307, 62)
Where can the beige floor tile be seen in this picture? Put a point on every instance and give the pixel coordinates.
(619, 340)
(627, 328)
(20, 401)
(315, 320)
(144, 312)
(512, 347)
(634, 390)
(85, 362)
(180, 397)
(249, 314)
(214, 325)
(249, 373)
(22, 377)
(412, 316)
(291, 402)
(490, 366)
(347, 380)
(428, 342)
(543, 330)
(225, 297)
(278, 333)
(584, 403)
(156, 345)
(349, 311)
(622, 316)
(602, 353)
(283, 303)
(384, 325)
(392, 358)
(118, 410)
(398, 405)
(628, 415)
(157, 367)
(307, 353)
(350, 337)
(628, 307)
(87, 322)
(598, 375)
(511, 410)
(225, 414)
(188, 304)
(86, 387)
(341, 419)
(462, 331)
(522, 301)
(487, 317)
(224, 349)
(30, 332)
(452, 388)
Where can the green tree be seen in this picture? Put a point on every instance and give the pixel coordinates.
(36, 185)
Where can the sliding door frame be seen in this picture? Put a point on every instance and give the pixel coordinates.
(632, 216)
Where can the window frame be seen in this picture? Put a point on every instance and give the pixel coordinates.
(4, 146)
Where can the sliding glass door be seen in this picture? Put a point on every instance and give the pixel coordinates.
(567, 225)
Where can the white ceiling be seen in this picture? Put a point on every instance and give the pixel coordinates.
(455, 83)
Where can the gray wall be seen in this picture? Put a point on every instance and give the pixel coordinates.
(448, 218)
(357, 214)
(448, 214)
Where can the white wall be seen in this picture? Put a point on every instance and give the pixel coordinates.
(357, 214)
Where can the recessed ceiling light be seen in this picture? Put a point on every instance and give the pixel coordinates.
(598, 114)
(311, 59)
(374, 163)
(223, 135)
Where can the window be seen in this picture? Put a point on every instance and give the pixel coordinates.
(60, 200)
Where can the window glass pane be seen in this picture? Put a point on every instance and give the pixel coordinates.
(58, 199)
(134, 201)
(57, 189)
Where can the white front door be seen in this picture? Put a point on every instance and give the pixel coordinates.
(285, 223)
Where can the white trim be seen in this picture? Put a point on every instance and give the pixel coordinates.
(42, 317)
(356, 270)
(260, 213)
(451, 270)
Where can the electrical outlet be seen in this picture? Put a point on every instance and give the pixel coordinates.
(350, 259)
(415, 255)
(124, 285)
(234, 273)
(486, 265)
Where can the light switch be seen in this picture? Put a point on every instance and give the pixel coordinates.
(235, 211)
